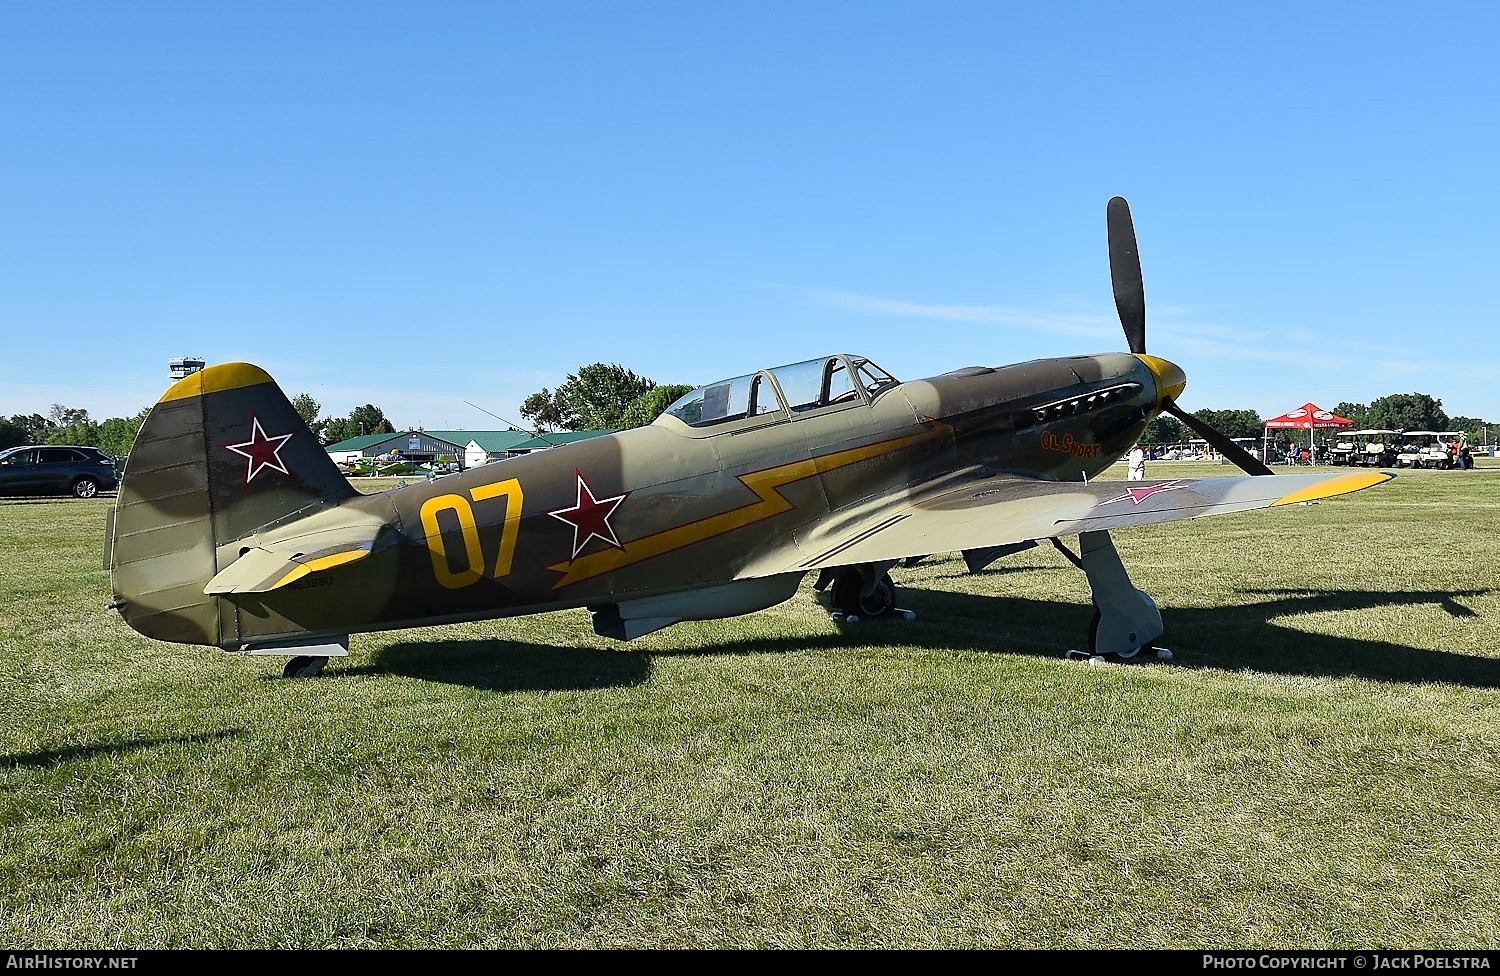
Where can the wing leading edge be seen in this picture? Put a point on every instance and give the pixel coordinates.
(975, 510)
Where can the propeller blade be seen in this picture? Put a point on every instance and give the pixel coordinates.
(1246, 461)
(1125, 274)
(1130, 301)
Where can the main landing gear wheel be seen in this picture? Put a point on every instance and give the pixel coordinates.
(304, 667)
(1145, 652)
(848, 600)
(849, 605)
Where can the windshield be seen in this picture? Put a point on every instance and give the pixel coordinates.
(874, 378)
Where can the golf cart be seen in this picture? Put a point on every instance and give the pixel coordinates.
(1370, 448)
(1413, 451)
(1345, 450)
(1432, 449)
(1450, 449)
(1250, 445)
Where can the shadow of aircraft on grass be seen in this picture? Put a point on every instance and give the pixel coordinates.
(1249, 636)
(56, 757)
(1223, 638)
(501, 665)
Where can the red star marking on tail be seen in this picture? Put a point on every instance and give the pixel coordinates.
(1138, 495)
(261, 451)
(590, 517)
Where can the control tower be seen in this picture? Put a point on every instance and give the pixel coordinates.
(181, 366)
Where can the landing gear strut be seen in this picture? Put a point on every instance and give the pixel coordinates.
(1126, 620)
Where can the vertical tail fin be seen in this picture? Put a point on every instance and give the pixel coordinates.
(222, 454)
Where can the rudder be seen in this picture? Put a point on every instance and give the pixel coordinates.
(222, 453)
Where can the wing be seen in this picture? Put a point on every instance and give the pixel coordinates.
(978, 510)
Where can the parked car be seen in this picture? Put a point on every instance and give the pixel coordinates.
(57, 470)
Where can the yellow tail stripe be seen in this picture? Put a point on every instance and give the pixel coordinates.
(1334, 486)
(216, 379)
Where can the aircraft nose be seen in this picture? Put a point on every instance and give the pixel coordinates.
(1170, 379)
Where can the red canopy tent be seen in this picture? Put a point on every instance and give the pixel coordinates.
(1308, 417)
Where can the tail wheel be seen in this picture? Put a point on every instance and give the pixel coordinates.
(85, 488)
(304, 667)
(848, 600)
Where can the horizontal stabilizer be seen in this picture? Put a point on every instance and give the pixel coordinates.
(321, 541)
(262, 570)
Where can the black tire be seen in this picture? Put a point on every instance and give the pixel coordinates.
(304, 667)
(85, 488)
(847, 600)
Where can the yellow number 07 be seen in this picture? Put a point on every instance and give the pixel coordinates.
(473, 566)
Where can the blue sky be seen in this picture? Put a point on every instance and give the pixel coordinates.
(418, 205)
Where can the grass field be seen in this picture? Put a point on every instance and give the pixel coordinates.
(1318, 769)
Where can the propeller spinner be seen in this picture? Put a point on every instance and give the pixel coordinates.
(1130, 301)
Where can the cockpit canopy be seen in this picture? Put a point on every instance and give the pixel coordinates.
(793, 389)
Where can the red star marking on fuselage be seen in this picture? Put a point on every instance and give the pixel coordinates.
(261, 451)
(590, 517)
(1138, 495)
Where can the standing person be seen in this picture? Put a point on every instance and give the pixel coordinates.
(1136, 466)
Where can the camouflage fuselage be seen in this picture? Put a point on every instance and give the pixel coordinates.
(648, 511)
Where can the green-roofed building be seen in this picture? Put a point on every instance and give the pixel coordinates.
(416, 446)
(484, 446)
(468, 448)
(355, 447)
(544, 441)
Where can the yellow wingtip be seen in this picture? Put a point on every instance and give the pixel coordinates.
(215, 379)
(1335, 486)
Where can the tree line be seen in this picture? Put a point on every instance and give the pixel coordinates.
(607, 396)
(1398, 411)
(72, 425)
(599, 396)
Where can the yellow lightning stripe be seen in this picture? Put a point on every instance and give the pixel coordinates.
(768, 504)
(321, 563)
(1334, 486)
